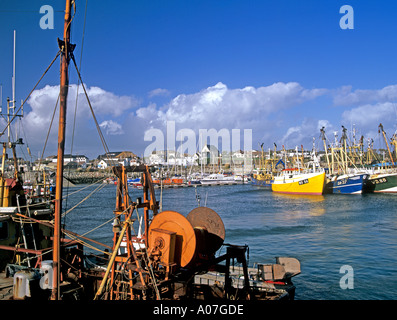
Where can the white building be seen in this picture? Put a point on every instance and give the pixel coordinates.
(209, 155)
(80, 159)
(103, 164)
(172, 158)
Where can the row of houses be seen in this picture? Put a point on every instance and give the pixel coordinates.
(208, 155)
(103, 161)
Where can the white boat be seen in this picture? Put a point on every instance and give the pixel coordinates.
(218, 178)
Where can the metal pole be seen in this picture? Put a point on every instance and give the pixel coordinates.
(13, 74)
(3, 181)
(61, 146)
(112, 258)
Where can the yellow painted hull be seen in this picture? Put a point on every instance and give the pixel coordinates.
(310, 183)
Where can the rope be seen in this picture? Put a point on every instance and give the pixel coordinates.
(101, 225)
(90, 185)
(106, 222)
(64, 197)
(84, 243)
(86, 198)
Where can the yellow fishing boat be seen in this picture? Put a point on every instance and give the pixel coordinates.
(297, 181)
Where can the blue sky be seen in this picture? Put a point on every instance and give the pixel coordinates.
(280, 68)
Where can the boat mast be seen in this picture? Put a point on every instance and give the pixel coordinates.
(322, 130)
(393, 141)
(297, 158)
(344, 138)
(274, 158)
(65, 47)
(13, 87)
(387, 144)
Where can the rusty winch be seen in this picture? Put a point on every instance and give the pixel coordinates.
(178, 240)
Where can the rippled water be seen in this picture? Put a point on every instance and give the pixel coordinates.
(323, 232)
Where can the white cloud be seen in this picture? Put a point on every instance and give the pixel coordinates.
(107, 108)
(345, 95)
(304, 133)
(104, 102)
(111, 127)
(368, 108)
(275, 113)
(218, 106)
(324, 123)
(158, 92)
(371, 114)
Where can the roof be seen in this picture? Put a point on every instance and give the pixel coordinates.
(126, 154)
(117, 154)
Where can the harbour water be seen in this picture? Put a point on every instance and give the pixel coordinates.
(326, 233)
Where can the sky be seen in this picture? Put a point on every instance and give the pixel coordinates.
(281, 69)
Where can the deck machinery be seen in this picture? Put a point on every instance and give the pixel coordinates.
(175, 256)
(171, 257)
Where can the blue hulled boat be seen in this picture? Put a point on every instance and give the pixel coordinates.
(346, 184)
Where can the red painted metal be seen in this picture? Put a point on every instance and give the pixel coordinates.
(55, 295)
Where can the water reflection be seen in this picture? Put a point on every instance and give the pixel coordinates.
(314, 205)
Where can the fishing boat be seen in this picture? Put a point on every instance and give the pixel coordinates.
(307, 180)
(346, 183)
(299, 181)
(382, 182)
(264, 175)
(383, 175)
(135, 183)
(262, 179)
(342, 179)
(22, 242)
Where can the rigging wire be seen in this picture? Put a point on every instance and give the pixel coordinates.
(45, 72)
(49, 130)
(92, 110)
(78, 82)
(86, 198)
(22, 128)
